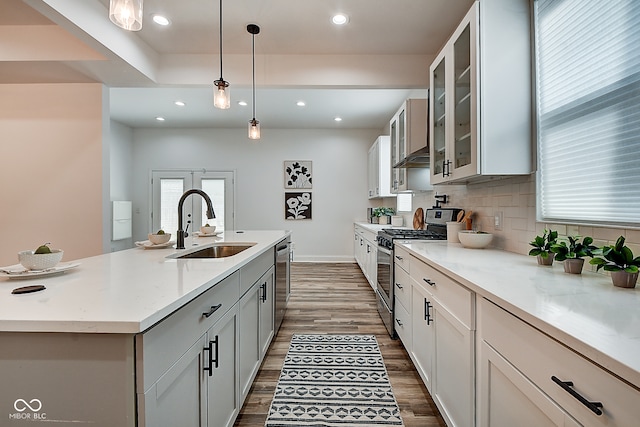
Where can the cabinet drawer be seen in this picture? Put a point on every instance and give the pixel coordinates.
(160, 347)
(402, 323)
(402, 258)
(451, 295)
(250, 273)
(540, 358)
(402, 287)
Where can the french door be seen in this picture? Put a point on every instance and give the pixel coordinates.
(167, 186)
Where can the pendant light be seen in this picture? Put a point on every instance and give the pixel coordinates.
(126, 14)
(221, 95)
(254, 125)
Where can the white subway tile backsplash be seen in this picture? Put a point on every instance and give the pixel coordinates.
(516, 199)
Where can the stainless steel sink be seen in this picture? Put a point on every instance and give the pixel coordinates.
(217, 251)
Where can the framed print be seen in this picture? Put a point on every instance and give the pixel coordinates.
(297, 205)
(297, 174)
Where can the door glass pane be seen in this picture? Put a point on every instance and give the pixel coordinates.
(439, 113)
(462, 68)
(171, 189)
(215, 190)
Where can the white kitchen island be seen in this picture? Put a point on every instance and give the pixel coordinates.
(139, 337)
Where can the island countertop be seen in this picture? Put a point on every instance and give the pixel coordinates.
(126, 291)
(584, 311)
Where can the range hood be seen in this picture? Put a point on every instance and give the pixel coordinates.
(417, 159)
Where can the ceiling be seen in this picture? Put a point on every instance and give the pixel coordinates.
(360, 72)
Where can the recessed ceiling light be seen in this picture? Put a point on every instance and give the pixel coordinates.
(180, 103)
(340, 19)
(338, 119)
(300, 103)
(160, 119)
(243, 103)
(161, 20)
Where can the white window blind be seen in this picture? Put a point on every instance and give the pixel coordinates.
(588, 107)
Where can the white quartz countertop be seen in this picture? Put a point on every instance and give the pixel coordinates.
(377, 227)
(585, 312)
(126, 291)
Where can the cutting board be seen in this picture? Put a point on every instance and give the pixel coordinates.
(418, 219)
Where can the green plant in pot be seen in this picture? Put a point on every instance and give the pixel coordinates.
(383, 214)
(573, 254)
(542, 247)
(619, 261)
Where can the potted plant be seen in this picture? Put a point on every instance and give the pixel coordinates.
(542, 247)
(383, 214)
(619, 261)
(573, 254)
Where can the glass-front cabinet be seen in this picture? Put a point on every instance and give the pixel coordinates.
(453, 106)
(398, 150)
(480, 118)
(438, 107)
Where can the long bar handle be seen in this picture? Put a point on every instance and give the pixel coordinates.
(567, 386)
(213, 309)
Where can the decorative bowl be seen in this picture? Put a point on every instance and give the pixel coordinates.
(474, 239)
(208, 230)
(159, 239)
(32, 261)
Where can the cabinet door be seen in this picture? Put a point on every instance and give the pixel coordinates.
(222, 374)
(266, 312)
(249, 307)
(453, 375)
(507, 398)
(438, 117)
(374, 190)
(178, 397)
(422, 350)
(464, 151)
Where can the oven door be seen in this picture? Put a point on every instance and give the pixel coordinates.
(384, 295)
(385, 269)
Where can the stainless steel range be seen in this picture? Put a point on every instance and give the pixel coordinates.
(436, 229)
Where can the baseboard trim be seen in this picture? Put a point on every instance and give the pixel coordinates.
(320, 258)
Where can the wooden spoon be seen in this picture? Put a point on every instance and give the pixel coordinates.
(460, 215)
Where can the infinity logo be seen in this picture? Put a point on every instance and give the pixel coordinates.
(37, 405)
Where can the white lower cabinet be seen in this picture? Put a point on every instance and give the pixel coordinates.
(256, 328)
(525, 373)
(366, 254)
(509, 399)
(223, 403)
(195, 367)
(201, 387)
(441, 341)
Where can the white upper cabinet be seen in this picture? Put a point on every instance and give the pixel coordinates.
(408, 129)
(480, 105)
(379, 171)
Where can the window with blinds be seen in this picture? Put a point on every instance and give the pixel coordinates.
(588, 107)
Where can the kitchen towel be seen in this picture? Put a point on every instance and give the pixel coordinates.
(333, 380)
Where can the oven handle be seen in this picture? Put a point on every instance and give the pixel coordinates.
(384, 250)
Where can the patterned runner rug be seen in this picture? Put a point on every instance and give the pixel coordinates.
(333, 380)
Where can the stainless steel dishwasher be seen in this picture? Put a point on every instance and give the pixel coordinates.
(283, 279)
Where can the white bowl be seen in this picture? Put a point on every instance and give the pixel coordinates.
(32, 261)
(208, 230)
(474, 239)
(159, 239)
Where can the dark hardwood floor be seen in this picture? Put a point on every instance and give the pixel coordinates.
(336, 299)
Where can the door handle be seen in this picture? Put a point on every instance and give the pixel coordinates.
(213, 309)
(567, 386)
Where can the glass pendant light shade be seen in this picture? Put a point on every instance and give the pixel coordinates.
(254, 129)
(221, 94)
(254, 125)
(126, 14)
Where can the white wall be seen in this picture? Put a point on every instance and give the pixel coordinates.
(339, 194)
(121, 174)
(51, 170)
